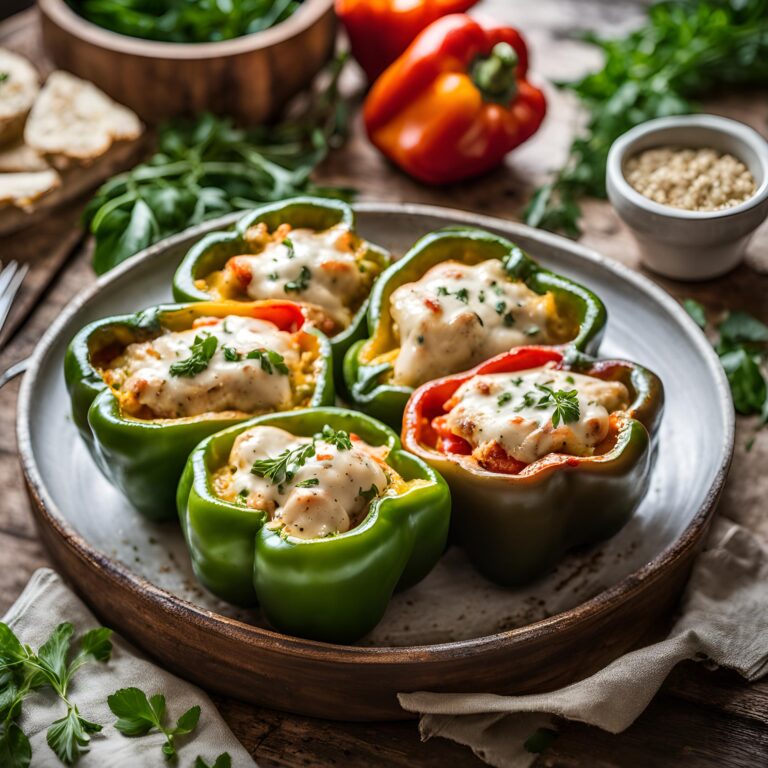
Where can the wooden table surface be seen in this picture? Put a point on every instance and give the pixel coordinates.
(700, 718)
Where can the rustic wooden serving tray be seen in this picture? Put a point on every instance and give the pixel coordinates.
(452, 632)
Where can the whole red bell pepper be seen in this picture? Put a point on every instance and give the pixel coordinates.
(380, 30)
(456, 102)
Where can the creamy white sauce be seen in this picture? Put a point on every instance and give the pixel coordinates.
(223, 385)
(456, 316)
(333, 505)
(315, 268)
(507, 409)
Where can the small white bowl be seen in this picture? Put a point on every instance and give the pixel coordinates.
(690, 245)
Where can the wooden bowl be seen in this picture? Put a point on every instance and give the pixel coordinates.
(250, 77)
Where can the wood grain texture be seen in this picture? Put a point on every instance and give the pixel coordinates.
(700, 718)
(250, 77)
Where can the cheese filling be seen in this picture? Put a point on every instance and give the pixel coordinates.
(533, 413)
(236, 364)
(325, 269)
(326, 488)
(457, 315)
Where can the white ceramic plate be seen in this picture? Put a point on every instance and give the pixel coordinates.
(453, 603)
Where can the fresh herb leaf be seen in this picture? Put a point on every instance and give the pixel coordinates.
(686, 49)
(462, 294)
(282, 468)
(337, 437)
(503, 398)
(207, 168)
(747, 383)
(369, 495)
(310, 482)
(739, 327)
(301, 283)
(222, 761)
(186, 21)
(23, 671)
(4, 76)
(288, 243)
(138, 715)
(203, 349)
(231, 355)
(270, 360)
(566, 404)
(696, 311)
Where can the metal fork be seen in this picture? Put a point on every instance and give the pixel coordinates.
(11, 278)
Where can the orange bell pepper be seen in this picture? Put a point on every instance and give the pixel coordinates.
(456, 102)
(380, 30)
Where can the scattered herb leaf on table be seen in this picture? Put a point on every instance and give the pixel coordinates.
(186, 21)
(208, 168)
(22, 671)
(685, 50)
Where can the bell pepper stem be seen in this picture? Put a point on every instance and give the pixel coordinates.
(495, 74)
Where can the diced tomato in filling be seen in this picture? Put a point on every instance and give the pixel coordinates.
(496, 459)
(203, 322)
(240, 270)
(447, 442)
(433, 305)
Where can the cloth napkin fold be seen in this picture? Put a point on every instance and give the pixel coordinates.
(47, 602)
(724, 618)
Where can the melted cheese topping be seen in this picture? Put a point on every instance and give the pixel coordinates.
(325, 269)
(511, 411)
(329, 494)
(145, 385)
(456, 316)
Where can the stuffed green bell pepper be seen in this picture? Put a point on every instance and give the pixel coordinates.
(542, 450)
(316, 515)
(303, 249)
(458, 297)
(146, 388)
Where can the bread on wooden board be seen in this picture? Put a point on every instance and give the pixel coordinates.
(19, 85)
(72, 120)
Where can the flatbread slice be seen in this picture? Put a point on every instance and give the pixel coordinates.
(19, 85)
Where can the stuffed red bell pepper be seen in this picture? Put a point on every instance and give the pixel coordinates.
(456, 102)
(380, 30)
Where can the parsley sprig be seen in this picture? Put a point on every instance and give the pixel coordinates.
(685, 50)
(22, 672)
(137, 715)
(565, 402)
(203, 349)
(270, 360)
(283, 468)
(301, 283)
(224, 760)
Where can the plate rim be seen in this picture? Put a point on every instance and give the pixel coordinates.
(602, 603)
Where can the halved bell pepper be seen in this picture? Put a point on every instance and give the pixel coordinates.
(515, 527)
(144, 458)
(368, 380)
(456, 102)
(380, 30)
(334, 589)
(212, 252)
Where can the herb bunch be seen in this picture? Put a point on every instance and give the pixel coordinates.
(24, 671)
(208, 168)
(186, 21)
(685, 50)
(742, 345)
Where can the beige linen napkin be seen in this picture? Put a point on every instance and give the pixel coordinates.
(47, 602)
(724, 618)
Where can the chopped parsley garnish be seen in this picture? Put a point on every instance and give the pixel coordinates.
(509, 319)
(231, 355)
(570, 379)
(368, 495)
(500, 307)
(420, 339)
(203, 349)
(288, 243)
(481, 297)
(566, 403)
(442, 290)
(517, 381)
(504, 398)
(529, 400)
(310, 482)
(301, 283)
(270, 360)
(462, 294)
(273, 276)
